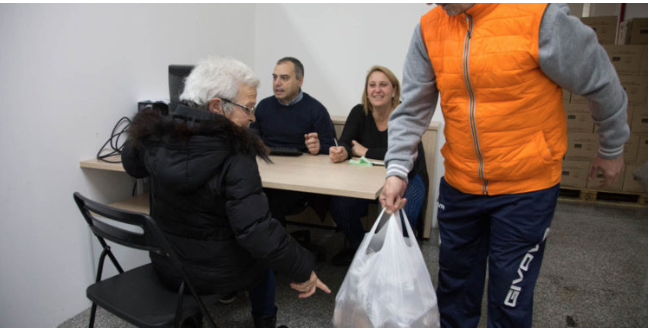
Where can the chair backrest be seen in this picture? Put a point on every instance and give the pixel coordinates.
(150, 239)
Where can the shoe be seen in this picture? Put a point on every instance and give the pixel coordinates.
(229, 298)
(266, 321)
(345, 257)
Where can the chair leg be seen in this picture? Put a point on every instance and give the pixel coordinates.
(179, 305)
(93, 310)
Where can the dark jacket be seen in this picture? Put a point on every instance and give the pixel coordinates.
(206, 195)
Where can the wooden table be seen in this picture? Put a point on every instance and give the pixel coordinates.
(103, 165)
(315, 174)
(305, 173)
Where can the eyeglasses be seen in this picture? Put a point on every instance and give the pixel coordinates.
(250, 111)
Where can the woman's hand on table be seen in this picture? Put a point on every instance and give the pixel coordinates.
(337, 154)
(358, 150)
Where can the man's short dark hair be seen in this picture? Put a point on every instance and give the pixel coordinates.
(299, 68)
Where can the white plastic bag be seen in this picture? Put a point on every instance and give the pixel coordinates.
(387, 284)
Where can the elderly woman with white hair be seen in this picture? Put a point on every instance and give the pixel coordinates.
(206, 191)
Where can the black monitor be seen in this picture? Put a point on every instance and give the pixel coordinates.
(177, 76)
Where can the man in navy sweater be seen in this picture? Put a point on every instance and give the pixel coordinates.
(293, 119)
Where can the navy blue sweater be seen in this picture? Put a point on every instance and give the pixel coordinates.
(284, 126)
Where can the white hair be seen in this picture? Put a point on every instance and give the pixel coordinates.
(220, 77)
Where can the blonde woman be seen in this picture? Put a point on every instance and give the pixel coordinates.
(366, 134)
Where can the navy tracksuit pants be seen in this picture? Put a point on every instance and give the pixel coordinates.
(508, 230)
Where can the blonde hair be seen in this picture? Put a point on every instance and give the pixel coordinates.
(367, 106)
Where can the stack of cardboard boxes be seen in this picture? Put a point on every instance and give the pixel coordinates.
(630, 62)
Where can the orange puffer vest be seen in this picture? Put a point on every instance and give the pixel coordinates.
(505, 125)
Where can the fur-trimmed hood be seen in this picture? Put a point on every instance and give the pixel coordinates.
(187, 148)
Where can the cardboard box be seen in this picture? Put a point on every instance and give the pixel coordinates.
(578, 107)
(636, 89)
(639, 31)
(574, 174)
(639, 120)
(604, 26)
(625, 58)
(579, 122)
(643, 61)
(631, 150)
(642, 150)
(578, 99)
(596, 183)
(624, 33)
(582, 146)
(630, 184)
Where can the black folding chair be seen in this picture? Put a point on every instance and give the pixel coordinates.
(138, 296)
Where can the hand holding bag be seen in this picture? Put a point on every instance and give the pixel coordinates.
(387, 284)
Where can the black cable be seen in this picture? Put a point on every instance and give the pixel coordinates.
(114, 141)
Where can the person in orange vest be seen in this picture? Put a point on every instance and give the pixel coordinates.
(498, 71)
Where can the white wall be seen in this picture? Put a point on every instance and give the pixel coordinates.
(635, 10)
(337, 43)
(69, 72)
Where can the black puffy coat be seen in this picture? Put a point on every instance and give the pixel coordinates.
(206, 195)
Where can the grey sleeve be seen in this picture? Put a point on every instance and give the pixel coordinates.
(570, 55)
(411, 118)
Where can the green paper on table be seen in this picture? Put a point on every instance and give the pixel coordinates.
(360, 162)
